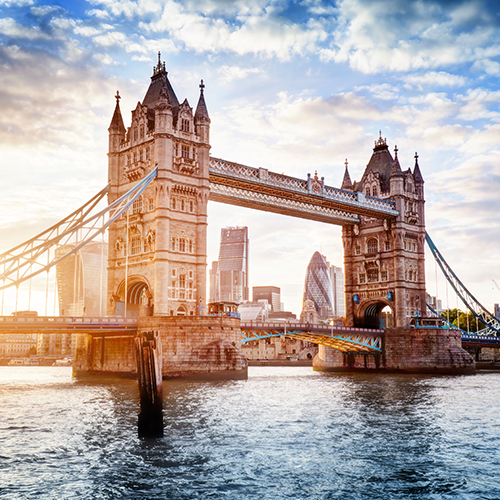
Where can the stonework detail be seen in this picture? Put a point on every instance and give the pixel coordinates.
(384, 258)
(159, 246)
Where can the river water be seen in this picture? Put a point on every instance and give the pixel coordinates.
(285, 433)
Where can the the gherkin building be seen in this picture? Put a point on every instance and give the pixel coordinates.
(317, 286)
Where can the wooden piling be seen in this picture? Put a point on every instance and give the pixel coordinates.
(149, 374)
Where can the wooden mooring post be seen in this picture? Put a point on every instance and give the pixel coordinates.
(149, 373)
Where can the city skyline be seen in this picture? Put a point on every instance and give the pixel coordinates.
(290, 87)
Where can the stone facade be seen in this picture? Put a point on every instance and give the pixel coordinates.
(200, 347)
(384, 259)
(406, 350)
(157, 252)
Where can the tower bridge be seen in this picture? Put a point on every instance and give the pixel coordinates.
(161, 178)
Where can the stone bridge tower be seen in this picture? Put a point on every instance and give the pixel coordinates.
(157, 253)
(384, 259)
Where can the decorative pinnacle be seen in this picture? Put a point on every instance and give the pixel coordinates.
(396, 151)
(346, 163)
(202, 86)
(416, 157)
(118, 96)
(159, 58)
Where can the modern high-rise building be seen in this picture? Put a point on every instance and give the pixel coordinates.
(233, 264)
(81, 287)
(270, 293)
(338, 293)
(318, 286)
(213, 275)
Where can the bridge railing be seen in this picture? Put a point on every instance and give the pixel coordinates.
(246, 325)
(103, 320)
(263, 176)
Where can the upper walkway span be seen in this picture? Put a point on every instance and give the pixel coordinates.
(258, 188)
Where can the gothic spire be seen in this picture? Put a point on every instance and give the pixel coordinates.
(347, 183)
(201, 109)
(417, 175)
(117, 120)
(396, 167)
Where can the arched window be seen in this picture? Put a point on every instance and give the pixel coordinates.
(172, 203)
(372, 245)
(367, 191)
(374, 191)
(182, 245)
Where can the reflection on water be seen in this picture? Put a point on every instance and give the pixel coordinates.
(285, 433)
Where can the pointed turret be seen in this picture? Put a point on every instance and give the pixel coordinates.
(417, 175)
(201, 118)
(396, 167)
(116, 124)
(380, 163)
(347, 183)
(201, 110)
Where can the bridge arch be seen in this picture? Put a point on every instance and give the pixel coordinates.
(369, 313)
(139, 297)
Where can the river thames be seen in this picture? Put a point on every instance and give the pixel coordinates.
(285, 433)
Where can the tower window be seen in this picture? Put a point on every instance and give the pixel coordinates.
(374, 192)
(190, 246)
(176, 149)
(372, 275)
(182, 245)
(368, 191)
(148, 152)
(185, 125)
(142, 131)
(172, 203)
(182, 204)
(137, 206)
(135, 245)
(151, 204)
(172, 244)
(357, 250)
(185, 151)
(372, 245)
(387, 246)
(191, 206)
(383, 275)
(182, 281)
(362, 278)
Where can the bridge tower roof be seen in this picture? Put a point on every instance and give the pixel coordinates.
(381, 163)
(158, 81)
(117, 120)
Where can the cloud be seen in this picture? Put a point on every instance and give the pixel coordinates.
(402, 36)
(11, 28)
(435, 79)
(231, 73)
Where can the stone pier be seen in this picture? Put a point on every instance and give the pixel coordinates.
(199, 347)
(405, 350)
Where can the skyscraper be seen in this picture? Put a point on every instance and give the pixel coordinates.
(233, 264)
(270, 293)
(318, 286)
(338, 294)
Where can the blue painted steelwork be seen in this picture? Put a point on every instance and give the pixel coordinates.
(479, 311)
(32, 257)
(342, 338)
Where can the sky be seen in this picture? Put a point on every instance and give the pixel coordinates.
(294, 87)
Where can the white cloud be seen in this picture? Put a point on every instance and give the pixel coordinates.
(230, 73)
(435, 79)
(10, 27)
(383, 91)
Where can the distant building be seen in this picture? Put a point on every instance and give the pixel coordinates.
(254, 311)
(318, 286)
(270, 293)
(81, 286)
(233, 264)
(338, 293)
(213, 292)
(18, 345)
